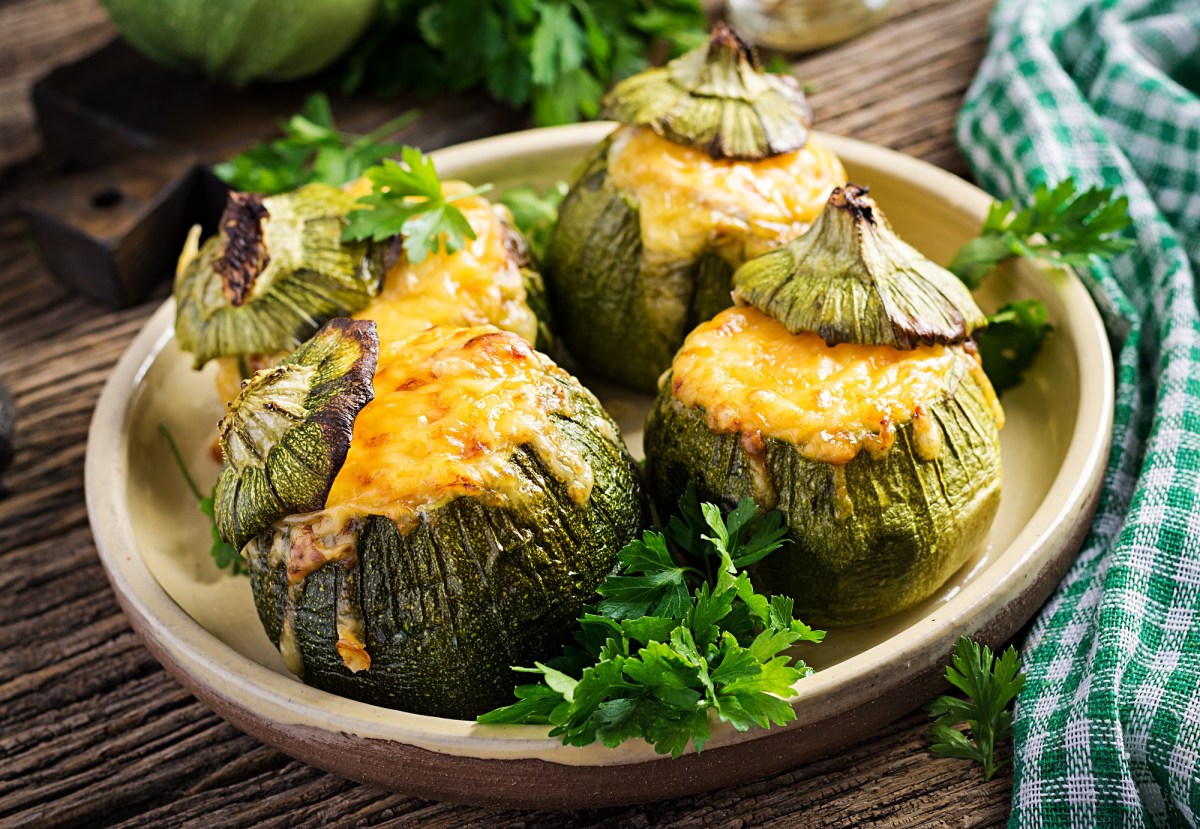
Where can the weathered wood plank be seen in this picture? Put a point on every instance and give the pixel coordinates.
(36, 35)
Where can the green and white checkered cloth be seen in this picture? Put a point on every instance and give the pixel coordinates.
(1107, 731)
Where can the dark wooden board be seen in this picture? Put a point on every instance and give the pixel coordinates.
(94, 733)
(135, 143)
(114, 102)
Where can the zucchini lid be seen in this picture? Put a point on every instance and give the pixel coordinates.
(718, 99)
(286, 436)
(851, 279)
(276, 271)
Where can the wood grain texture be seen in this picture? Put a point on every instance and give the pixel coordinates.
(37, 34)
(94, 733)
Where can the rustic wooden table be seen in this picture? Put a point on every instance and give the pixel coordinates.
(94, 732)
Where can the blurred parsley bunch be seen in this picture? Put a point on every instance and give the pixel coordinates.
(557, 56)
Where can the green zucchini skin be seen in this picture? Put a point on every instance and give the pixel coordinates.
(474, 589)
(240, 41)
(850, 279)
(913, 522)
(538, 300)
(620, 317)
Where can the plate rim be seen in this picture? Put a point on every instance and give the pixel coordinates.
(212, 669)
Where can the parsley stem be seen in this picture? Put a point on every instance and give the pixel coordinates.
(474, 191)
(387, 129)
(187, 476)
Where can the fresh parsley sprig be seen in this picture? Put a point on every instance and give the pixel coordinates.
(224, 554)
(990, 684)
(556, 57)
(658, 655)
(406, 197)
(1061, 226)
(406, 200)
(312, 149)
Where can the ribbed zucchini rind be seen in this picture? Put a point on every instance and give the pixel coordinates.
(473, 590)
(850, 279)
(623, 311)
(623, 317)
(426, 617)
(716, 98)
(883, 530)
(878, 541)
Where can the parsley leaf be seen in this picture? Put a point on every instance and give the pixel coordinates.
(1061, 226)
(311, 150)
(224, 554)
(662, 655)
(661, 591)
(688, 526)
(535, 214)
(558, 46)
(406, 200)
(1012, 340)
(990, 684)
(559, 55)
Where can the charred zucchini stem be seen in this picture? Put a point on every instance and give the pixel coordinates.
(727, 48)
(246, 253)
(853, 199)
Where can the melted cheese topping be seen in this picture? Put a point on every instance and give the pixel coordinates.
(478, 285)
(691, 203)
(752, 376)
(451, 407)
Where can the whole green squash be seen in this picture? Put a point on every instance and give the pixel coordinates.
(421, 593)
(238, 41)
(714, 162)
(884, 504)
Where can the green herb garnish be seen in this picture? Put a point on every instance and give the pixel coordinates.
(406, 197)
(535, 214)
(659, 654)
(990, 684)
(1012, 340)
(312, 149)
(224, 554)
(558, 57)
(406, 200)
(1063, 227)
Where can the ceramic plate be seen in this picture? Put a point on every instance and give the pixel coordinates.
(201, 623)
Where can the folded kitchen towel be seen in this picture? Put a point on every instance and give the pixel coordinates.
(1107, 732)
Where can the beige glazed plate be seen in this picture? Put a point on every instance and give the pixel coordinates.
(201, 623)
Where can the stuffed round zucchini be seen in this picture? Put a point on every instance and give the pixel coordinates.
(421, 516)
(278, 269)
(848, 394)
(714, 165)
